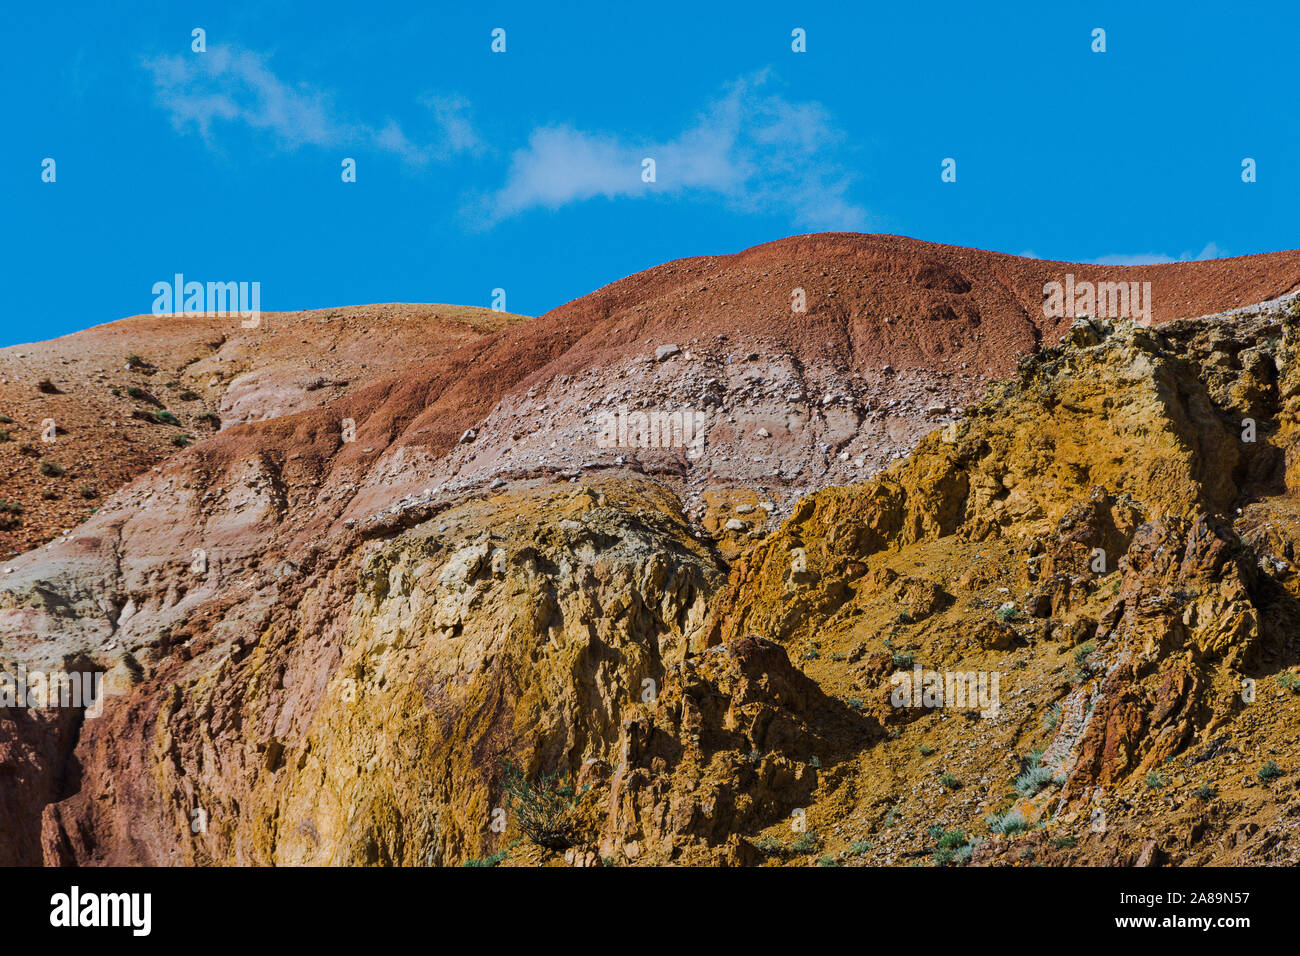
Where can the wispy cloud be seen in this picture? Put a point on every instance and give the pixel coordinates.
(1211, 251)
(750, 148)
(231, 85)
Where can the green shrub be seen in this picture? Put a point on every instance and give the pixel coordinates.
(769, 846)
(1052, 719)
(951, 846)
(1270, 771)
(950, 782)
(1009, 823)
(1033, 780)
(52, 469)
(807, 842)
(1155, 781)
(545, 810)
(10, 515)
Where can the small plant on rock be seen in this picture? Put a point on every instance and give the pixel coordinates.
(545, 810)
(1009, 823)
(1270, 771)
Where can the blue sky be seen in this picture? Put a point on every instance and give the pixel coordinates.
(522, 170)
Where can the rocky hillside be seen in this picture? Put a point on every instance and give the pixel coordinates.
(82, 415)
(473, 631)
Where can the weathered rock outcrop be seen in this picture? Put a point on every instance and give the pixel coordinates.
(324, 651)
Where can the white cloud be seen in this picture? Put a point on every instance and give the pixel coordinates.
(751, 148)
(1211, 251)
(234, 85)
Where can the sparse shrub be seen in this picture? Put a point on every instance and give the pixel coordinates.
(1052, 719)
(903, 660)
(768, 846)
(1066, 842)
(189, 396)
(492, 860)
(544, 810)
(1033, 780)
(859, 847)
(140, 395)
(855, 702)
(6, 420)
(1270, 771)
(1205, 792)
(5, 436)
(166, 418)
(962, 854)
(46, 387)
(52, 469)
(950, 782)
(1008, 614)
(1155, 781)
(926, 750)
(1083, 667)
(808, 842)
(1289, 682)
(89, 491)
(10, 515)
(951, 846)
(828, 860)
(182, 440)
(1009, 823)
